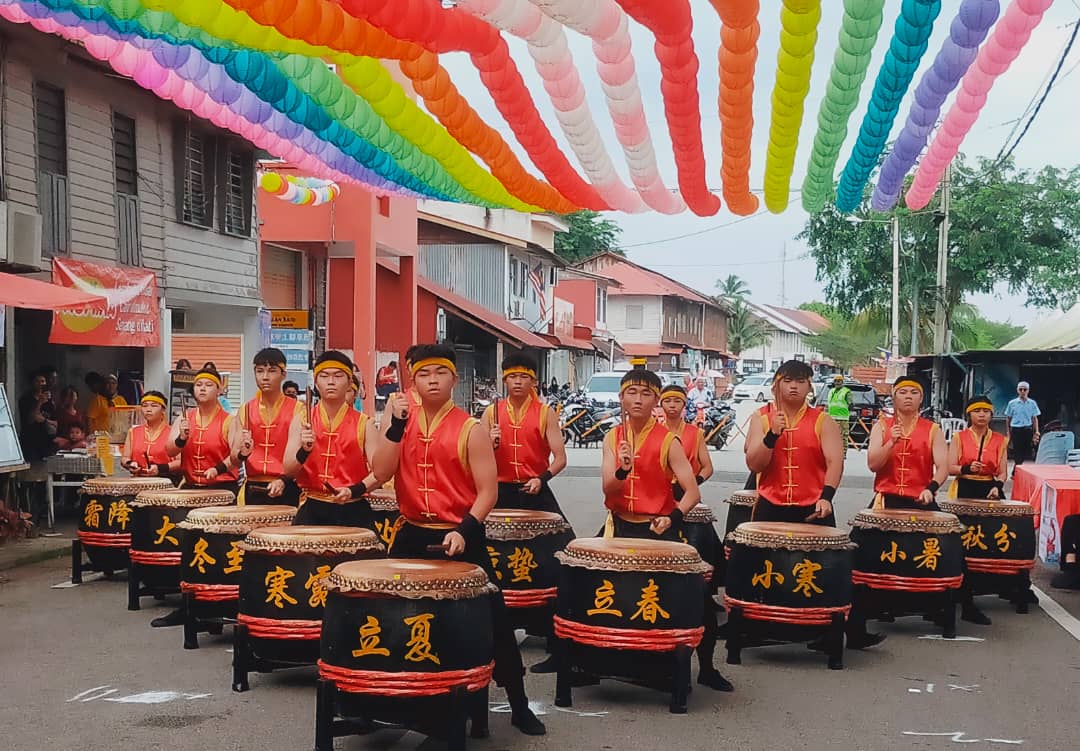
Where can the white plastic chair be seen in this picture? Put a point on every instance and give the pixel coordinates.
(950, 425)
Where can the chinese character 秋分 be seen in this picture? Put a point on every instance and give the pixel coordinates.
(765, 578)
(276, 581)
(369, 639)
(1003, 537)
(973, 537)
(234, 556)
(163, 533)
(92, 514)
(318, 589)
(931, 551)
(202, 559)
(804, 577)
(494, 555)
(521, 564)
(649, 604)
(419, 643)
(893, 553)
(603, 599)
(119, 512)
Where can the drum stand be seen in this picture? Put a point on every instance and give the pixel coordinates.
(743, 632)
(291, 654)
(211, 617)
(874, 603)
(137, 590)
(78, 568)
(1013, 587)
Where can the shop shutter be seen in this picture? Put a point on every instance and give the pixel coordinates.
(224, 351)
(280, 278)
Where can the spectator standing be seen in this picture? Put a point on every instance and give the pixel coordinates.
(700, 393)
(1022, 423)
(103, 399)
(37, 419)
(839, 408)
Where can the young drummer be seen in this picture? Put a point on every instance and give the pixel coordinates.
(796, 452)
(526, 436)
(144, 453)
(265, 425)
(332, 455)
(907, 453)
(447, 483)
(978, 455)
(203, 437)
(692, 438)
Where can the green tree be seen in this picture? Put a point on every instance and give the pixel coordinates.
(745, 331)
(1007, 226)
(823, 309)
(588, 234)
(848, 342)
(732, 288)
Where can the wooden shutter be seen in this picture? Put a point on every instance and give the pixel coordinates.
(224, 351)
(128, 237)
(280, 278)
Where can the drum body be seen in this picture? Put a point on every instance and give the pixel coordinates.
(385, 520)
(105, 517)
(902, 550)
(522, 546)
(401, 637)
(740, 509)
(699, 533)
(998, 542)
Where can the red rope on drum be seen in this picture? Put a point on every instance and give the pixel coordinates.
(105, 539)
(529, 598)
(906, 583)
(268, 628)
(645, 640)
(154, 559)
(211, 592)
(404, 683)
(998, 566)
(778, 614)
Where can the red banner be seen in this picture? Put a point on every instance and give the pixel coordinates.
(129, 317)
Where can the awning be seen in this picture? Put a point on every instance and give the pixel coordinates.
(650, 350)
(569, 342)
(478, 315)
(25, 292)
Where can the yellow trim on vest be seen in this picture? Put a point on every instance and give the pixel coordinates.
(463, 442)
(665, 451)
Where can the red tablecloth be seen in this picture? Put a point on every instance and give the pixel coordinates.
(1029, 479)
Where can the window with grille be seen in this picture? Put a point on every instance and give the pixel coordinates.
(195, 166)
(50, 120)
(124, 155)
(128, 241)
(237, 198)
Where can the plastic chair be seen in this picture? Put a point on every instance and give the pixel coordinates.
(1054, 447)
(950, 425)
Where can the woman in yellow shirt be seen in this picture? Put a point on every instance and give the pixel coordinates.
(103, 400)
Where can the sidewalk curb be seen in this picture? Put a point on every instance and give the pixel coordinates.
(37, 556)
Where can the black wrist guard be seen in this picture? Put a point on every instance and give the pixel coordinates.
(358, 490)
(546, 476)
(1000, 486)
(965, 469)
(470, 527)
(827, 493)
(699, 479)
(396, 431)
(221, 468)
(302, 455)
(162, 470)
(677, 491)
(770, 439)
(934, 486)
(676, 516)
(621, 474)
(180, 442)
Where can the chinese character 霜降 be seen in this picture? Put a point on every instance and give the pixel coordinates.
(973, 538)
(369, 639)
(1004, 537)
(931, 551)
(92, 514)
(318, 588)
(893, 553)
(234, 556)
(765, 578)
(521, 564)
(276, 581)
(649, 604)
(603, 599)
(493, 554)
(419, 643)
(202, 559)
(804, 577)
(163, 533)
(119, 513)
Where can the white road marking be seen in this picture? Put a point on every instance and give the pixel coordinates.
(81, 694)
(973, 688)
(1063, 617)
(939, 637)
(86, 580)
(102, 695)
(958, 737)
(155, 697)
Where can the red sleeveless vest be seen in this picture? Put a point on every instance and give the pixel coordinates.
(206, 447)
(911, 466)
(433, 481)
(991, 452)
(647, 490)
(267, 460)
(147, 453)
(523, 450)
(690, 436)
(338, 458)
(796, 474)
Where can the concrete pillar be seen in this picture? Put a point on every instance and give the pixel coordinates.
(363, 312)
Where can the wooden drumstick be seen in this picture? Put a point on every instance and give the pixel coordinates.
(309, 400)
(437, 548)
(495, 418)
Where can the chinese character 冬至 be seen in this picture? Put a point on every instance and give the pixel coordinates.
(119, 513)
(317, 587)
(163, 533)
(765, 578)
(804, 577)
(931, 551)
(521, 564)
(649, 604)
(1004, 537)
(893, 553)
(234, 557)
(369, 639)
(419, 643)
(202, 559)
(92, 514)
(276, 581)
(603, 599)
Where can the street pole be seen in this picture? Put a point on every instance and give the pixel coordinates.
(940, 308)
(894, 347)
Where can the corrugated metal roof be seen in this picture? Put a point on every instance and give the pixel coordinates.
(1062, 333)
(638, 280)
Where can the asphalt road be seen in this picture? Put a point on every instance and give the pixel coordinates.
(80, 672)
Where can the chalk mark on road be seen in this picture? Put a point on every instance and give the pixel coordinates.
(958, 737)
(98, 576)
(939, 637)
(143, 697)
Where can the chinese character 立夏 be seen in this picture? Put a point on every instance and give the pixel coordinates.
(92, 514)
(387, 530)
(419, 643)
(931, 551)
(163, 533)
(1003, 537)
(521, 564)
(893, 553)
(234, 556)
(603, 599)
(973, 538)
(202, 559)
(276, 581)
(649, 604)
(765, 578)
(494, 555)
(318, 589)
(804, 577)
(119, 512)
(369, 639)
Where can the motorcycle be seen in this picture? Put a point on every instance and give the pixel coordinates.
(584, 422)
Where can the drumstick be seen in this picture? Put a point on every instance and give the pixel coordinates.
(309, 403)
(495, 417)
(437, 548)
(982, 441)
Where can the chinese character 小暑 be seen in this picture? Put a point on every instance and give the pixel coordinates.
(931, 551)
(893, 553)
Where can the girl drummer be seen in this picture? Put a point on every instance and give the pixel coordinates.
(144, 453)
(202, 437)
(977, 455)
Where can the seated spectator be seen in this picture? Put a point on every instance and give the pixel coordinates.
(74, 439)
(291, 388)
(68, 413)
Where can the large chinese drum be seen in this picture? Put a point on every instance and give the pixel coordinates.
(105, 520)
(630, 608)
(405, 642)
(385, 518)
(155, 538)
(740, 509)
(522, 546)
(698, 531)
(907, 550)
(999, 544)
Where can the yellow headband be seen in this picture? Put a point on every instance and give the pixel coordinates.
(649, 386)
(979, 405)
(909, 382)
(208, 376)
(672, 392)
(327, 364)
(153, 398)
(519, 369)
(430, 361)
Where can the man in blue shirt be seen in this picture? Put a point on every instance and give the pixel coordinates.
(1022, 423)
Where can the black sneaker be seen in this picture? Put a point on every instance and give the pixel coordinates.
(863, 641)
(972, 614)
(175, 618)
(547, 665)
(528, 723)
(714, 680)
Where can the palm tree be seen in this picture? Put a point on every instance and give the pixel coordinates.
(745, 331)
(732, 288)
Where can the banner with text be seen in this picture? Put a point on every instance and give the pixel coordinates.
(128, 318)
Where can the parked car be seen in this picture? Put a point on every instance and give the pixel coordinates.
(603, 387)
(865, 409)
(757, 387)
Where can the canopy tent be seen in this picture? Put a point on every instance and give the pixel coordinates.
(24, 292)
(1060, 333)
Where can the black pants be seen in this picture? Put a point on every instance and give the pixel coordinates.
(323, 513)
(412, 542)
(255, 494)
(766, 511)
(1070, 542)
(512, 496)
(968, 488)
(904, 502)
(1021, 444)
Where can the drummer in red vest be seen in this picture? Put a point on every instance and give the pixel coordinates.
(203, 437)
(692, 437)
(978, 455)
(907, 453)
(266, 422)
(333, 454)
(526, 436)
(144, 453)
(447, 483)
(796, 452)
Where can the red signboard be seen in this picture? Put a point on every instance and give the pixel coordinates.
(129, 316)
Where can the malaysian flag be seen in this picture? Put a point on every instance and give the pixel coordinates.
(536, 279)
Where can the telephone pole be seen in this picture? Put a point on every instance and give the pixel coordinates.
(941, 323)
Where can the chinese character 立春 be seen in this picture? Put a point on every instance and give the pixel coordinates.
(419, 643)
(92, 514)
(804, 577)
(604, 598)
(318, 589)
(119, 512)
(276, 581)
(1003, 537)
(494, 555)
(234, 556)
(893, 553)
(163, 533)
(202, 559)
(521, 564)
(931, 551)
(765, 578)
(369, 639)
(649, 604)
(973, 537)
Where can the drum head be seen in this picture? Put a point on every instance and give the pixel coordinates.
(117, 486)
(410, 578)
(632, 554)
(790, 536)
(312, 539)
(986, 507)
(382, 499)
(188, 498)
(743, 498)
(237, 519)
(523, 524)
(907, 520)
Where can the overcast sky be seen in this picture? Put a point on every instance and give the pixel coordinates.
(698, 250)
